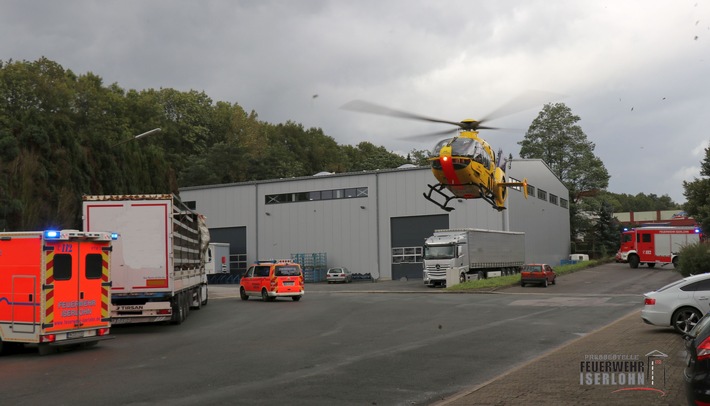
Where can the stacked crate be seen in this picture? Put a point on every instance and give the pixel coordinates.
(314, 266)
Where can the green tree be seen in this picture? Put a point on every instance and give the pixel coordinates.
(697, 194)
(419, 157)
(606, 230)
(556, 138)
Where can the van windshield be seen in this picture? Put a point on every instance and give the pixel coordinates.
(287, 271)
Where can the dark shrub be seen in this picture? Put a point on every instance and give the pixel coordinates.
(694, 259)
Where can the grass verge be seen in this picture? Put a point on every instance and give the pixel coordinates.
(493, 284)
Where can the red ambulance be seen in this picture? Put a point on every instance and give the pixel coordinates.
(54, 288)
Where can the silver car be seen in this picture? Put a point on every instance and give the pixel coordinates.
(680, 304)
(340, 274)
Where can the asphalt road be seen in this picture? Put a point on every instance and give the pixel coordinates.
(385, 343)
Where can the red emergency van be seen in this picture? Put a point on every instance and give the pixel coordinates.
(55, 288)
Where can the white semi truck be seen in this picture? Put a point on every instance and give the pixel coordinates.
(472, 253)
(158, 263)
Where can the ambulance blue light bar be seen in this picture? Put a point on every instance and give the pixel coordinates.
(114, 236)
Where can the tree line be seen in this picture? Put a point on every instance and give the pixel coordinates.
(64, 135)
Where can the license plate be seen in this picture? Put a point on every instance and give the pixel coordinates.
(288, 283)
(75, 334)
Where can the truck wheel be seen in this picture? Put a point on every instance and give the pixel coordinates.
(296, 298)
(178, 310)
(462, 278)
(675, 262)
(481, 275)
(206, 297)
(634, 261)
(264, 295)
(188, 301)
(243, 294)
(198, 306)
(544, 283)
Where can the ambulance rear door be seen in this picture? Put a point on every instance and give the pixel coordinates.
(77, 285)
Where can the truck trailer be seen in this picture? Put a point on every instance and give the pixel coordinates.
(54, 288)
(472, 254)
(158, 266)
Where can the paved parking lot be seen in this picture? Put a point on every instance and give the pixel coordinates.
(556, 377)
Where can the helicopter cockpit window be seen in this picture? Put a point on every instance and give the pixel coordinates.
(471, 148)
(439, 145)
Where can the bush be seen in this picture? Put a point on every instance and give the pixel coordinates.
(694, 259)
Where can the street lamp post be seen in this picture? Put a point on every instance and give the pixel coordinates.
(145, 134)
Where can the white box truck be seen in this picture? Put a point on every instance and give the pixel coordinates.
(158, 263)
(217, 258)
(472, 254)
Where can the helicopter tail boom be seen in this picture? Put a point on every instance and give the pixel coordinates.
(523, 184)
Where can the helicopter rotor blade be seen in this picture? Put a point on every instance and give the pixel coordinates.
(362, 106)
(427, 136)
(522, 102)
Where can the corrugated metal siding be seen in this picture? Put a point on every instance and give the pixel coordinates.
(546, 225)
(360, 238)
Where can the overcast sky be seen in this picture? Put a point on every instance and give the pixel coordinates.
(637, 73)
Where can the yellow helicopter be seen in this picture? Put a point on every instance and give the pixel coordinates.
(465, 164)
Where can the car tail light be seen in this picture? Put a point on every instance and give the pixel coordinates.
(704, 350)
(49, 338)
(649, 301)
(102, 332)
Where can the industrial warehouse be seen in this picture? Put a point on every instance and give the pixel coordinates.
(374, 222)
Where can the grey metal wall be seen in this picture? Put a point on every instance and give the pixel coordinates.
(356, 232)
(546, 225)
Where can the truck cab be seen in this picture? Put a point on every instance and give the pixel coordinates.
(442, 252)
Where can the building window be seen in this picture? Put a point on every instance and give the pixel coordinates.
(192, 204)
(407, 255)
(531, 190)
(518, 188)
(349, 193)
(541, 194)
(564, 203)
(553, 199)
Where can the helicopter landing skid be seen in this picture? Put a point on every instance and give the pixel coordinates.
(484, 194)
(437, 189)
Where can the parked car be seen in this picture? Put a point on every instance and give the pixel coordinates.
(697, 370)
(272, 279)
(539, 274)
(340, 274)
(679, 304)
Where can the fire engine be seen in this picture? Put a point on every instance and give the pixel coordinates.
(54, 288)
(653, 245)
